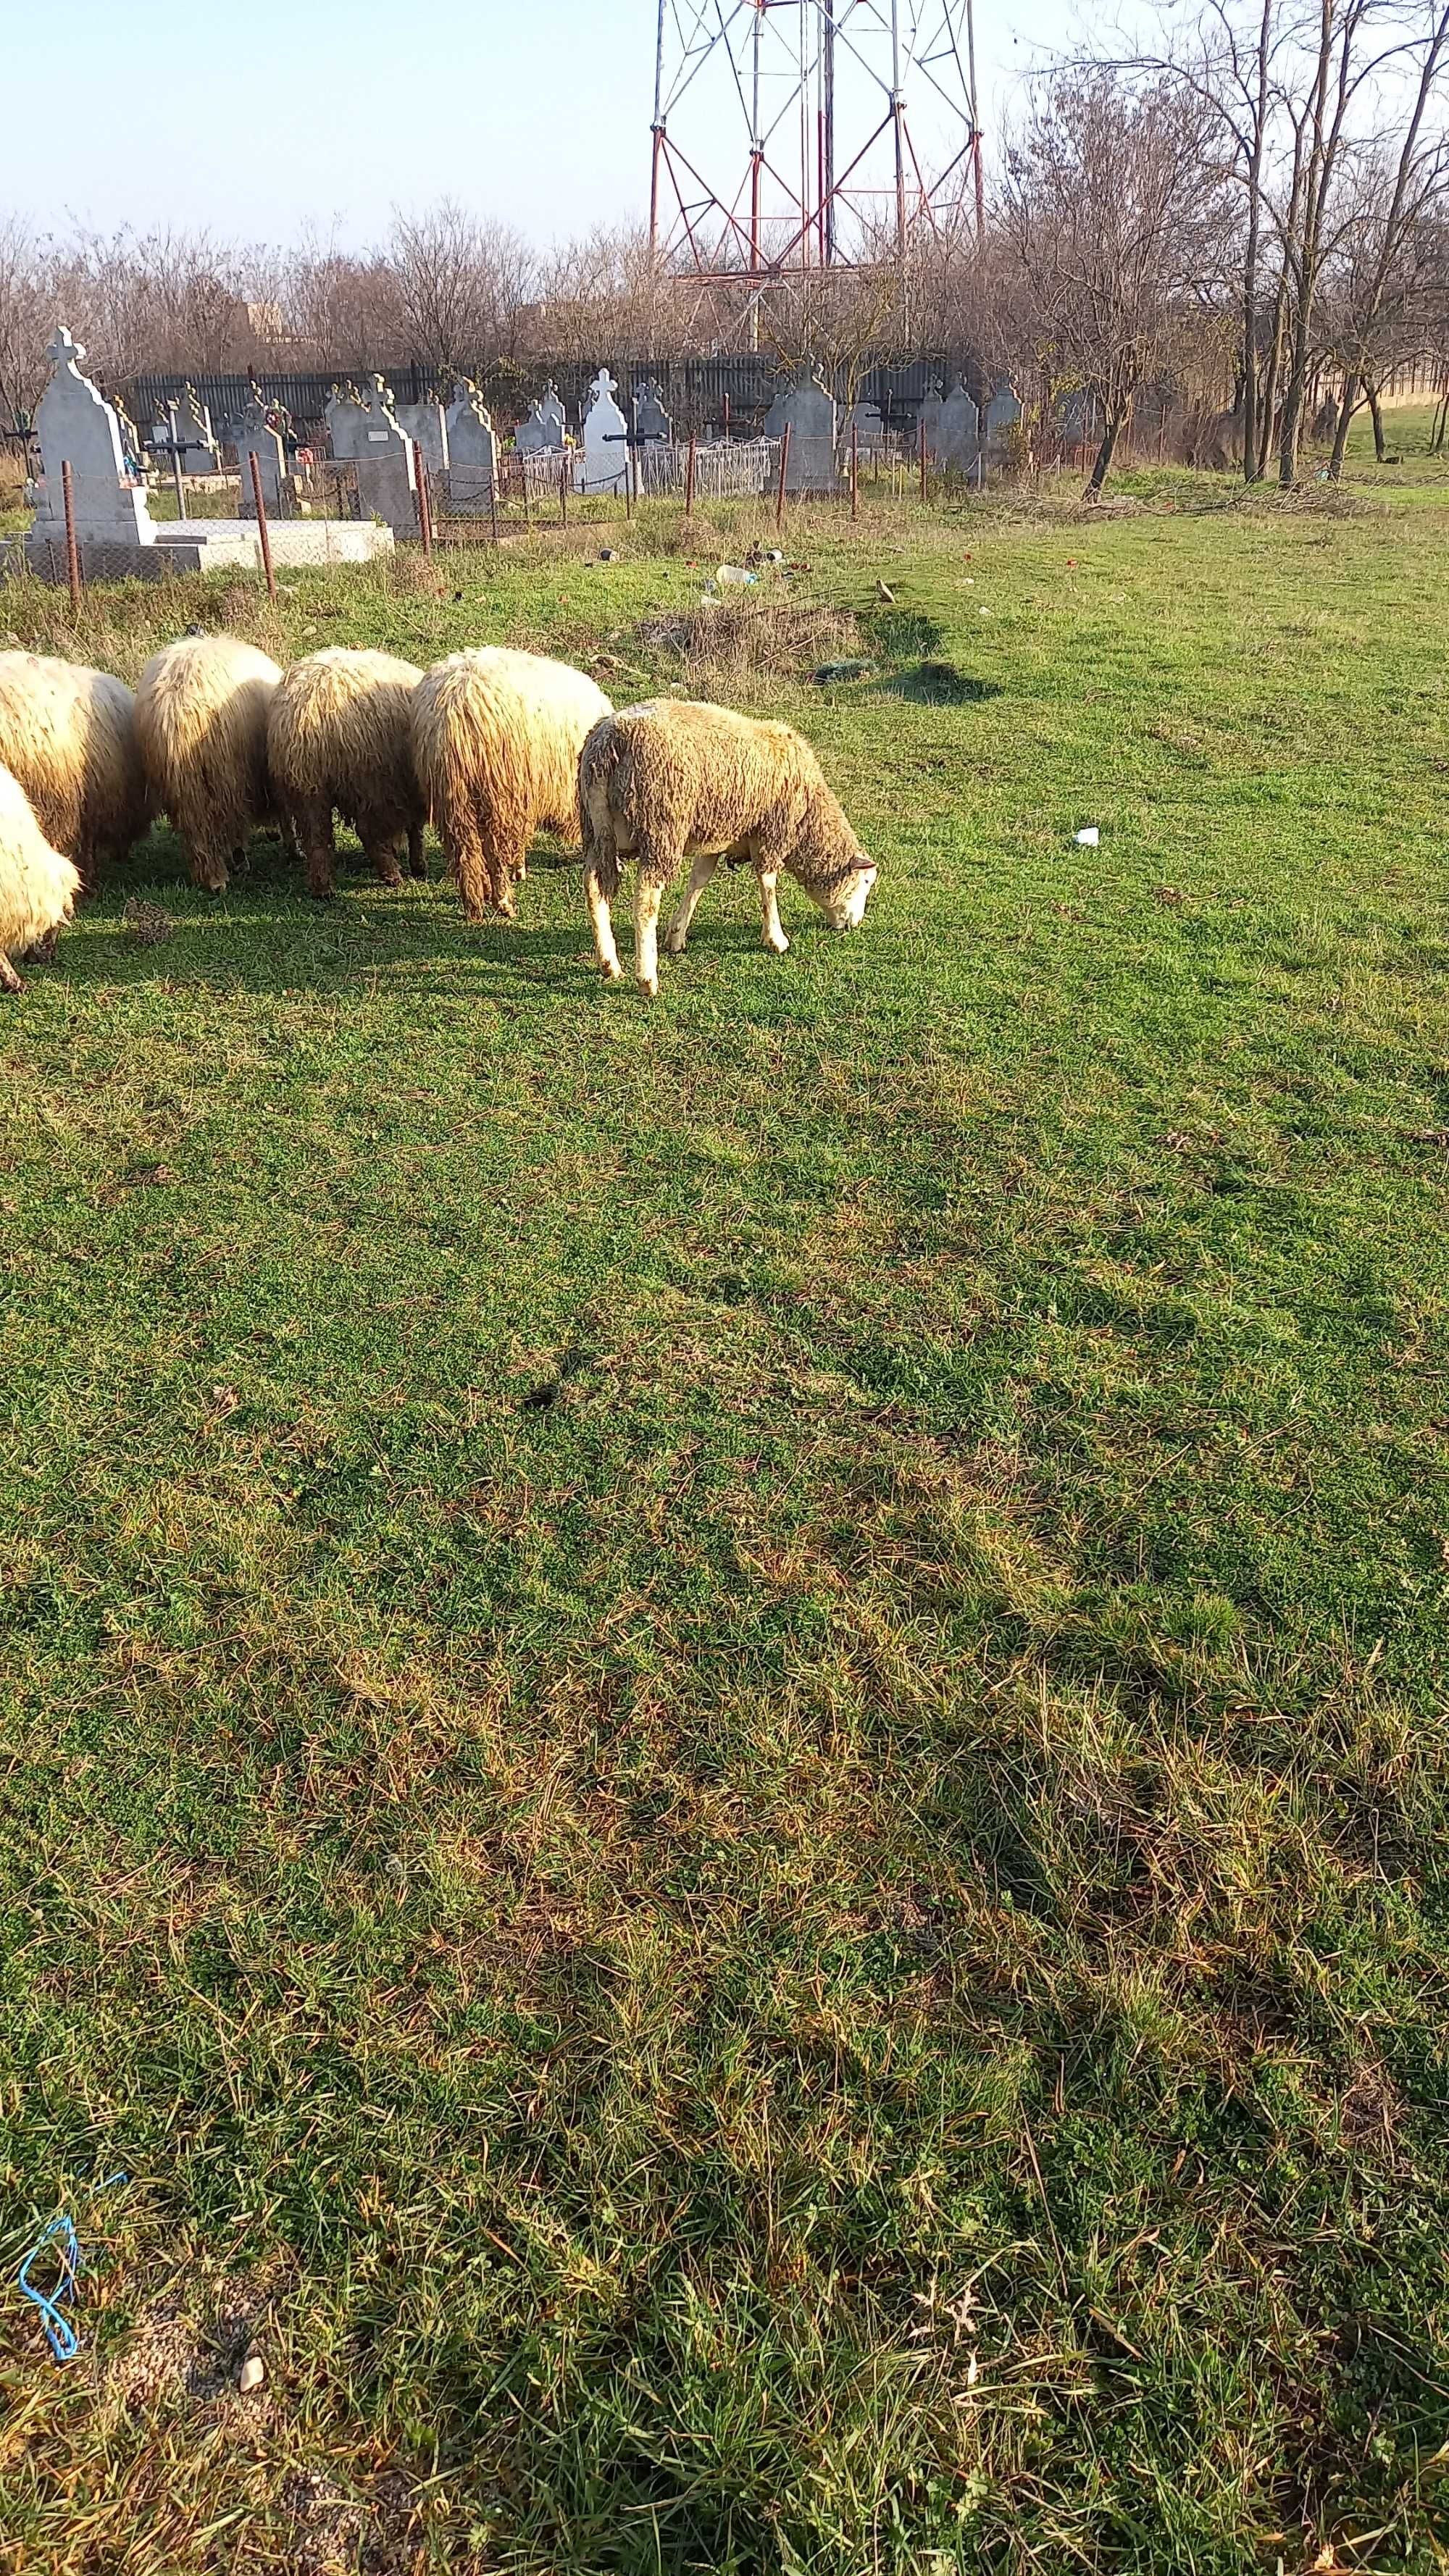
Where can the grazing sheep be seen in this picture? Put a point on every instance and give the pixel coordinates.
(339, 735)
(68, 736)
(672, 779)
(201, 711)
(38, 887)
(496, 739)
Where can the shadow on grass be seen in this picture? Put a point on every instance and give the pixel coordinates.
(938, 684)
(266, 935)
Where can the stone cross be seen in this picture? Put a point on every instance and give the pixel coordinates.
(651, 420)
(76, 426)
(386, 473)
(253, 435)
(545, 426)
(472, 450)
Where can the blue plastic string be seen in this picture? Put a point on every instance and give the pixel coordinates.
(59, 2234)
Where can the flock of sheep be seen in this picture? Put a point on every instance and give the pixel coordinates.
(490, 746)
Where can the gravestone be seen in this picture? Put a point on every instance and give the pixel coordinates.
(865, 420)
(472, 451)
(76, 426)
(958, 430)
(200, 449)
(344, 416)
(773, 424)
(1002, 414)
(253, 435)
(426, 423)
(545, 426)
(386, 474)
(651, 421)
(605, 459)
(809, 415)
(930, 416)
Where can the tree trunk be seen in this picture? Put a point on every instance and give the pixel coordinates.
(1268, 399)
(1115, 421)
(1348, 405)
(1376, 416)
(1252, 470)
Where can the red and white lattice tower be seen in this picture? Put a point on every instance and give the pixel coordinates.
(792, 135)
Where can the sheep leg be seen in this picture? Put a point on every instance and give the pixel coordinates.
(208, 871)
(311, 823)
(599, 870)
(771, 928)
(381, 849)
(9, 980)
(417, 864)
(648, 896)
(699, 877)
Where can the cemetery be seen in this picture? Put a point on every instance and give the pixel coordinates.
(724, 1512)
(810, 446)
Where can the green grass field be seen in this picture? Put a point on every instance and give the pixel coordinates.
(726, 1762)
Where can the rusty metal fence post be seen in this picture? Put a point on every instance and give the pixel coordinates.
(72, 551)
(689, 480)
(263, 533)
(563, 495)
(855, 469)
(922, 442)
(780, 486)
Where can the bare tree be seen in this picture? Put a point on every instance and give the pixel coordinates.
(26, 321)
(1111, 210)
(461, 284)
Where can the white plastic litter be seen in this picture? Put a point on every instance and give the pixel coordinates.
(253, 2372)
(1088, 839)
(735, 577)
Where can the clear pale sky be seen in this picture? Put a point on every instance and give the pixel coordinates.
(260, 118)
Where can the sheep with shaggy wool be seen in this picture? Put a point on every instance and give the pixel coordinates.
(496, 740)
(38, 887)
(201, 711)
(673, 779)
(68, 736)
(339, 739)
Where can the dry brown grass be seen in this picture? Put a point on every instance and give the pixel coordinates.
(742, 638)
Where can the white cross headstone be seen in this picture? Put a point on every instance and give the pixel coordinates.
(386, 473)
(605, 459)
(344, 417)
(200, 452)
(1002, 413)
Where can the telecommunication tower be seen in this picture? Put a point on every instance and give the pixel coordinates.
(792, 135)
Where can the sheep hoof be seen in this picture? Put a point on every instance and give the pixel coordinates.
(649, 988)
(777, 947)
(611, 970)
(674, 944)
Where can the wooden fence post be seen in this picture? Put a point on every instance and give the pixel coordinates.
(72, 551)
(263, 535)
(425, 514)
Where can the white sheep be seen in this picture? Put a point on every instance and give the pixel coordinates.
(68, 736)
(339, 737)
(496, 740)
(201, 711)
(673, 779)
(38, 887)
